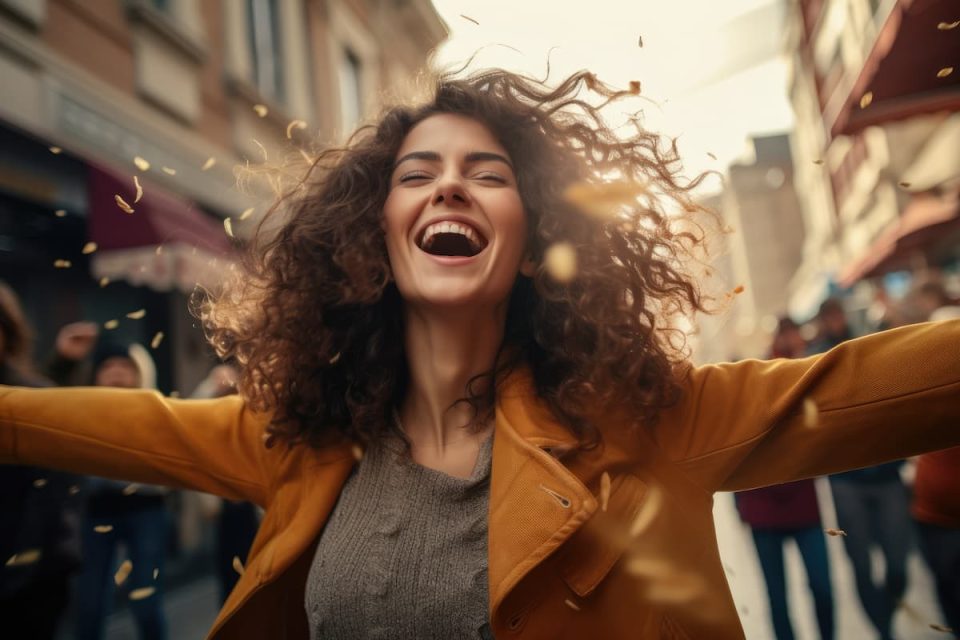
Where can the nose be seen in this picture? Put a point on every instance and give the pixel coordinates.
(450, 191)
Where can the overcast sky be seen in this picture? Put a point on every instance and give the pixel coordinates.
(713, 68)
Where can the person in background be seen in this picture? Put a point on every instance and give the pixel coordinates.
(39, 510)
(872, 507)
(117, 512)
(789, 511)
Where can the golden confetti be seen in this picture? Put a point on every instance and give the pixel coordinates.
(261, 110)
(866, 99)
(811, 415)
(835, 532)
(137, 315)
(357, 452)
(126, 208)
(62, 264)
(603, 200)
(711, 156)
(295, 124)
(103, 528)
(156, 572)
(947, 26)
(40, 483)
(130, 489)
(238, 565)
(675, 587)
(635, 87)
(142, 593)
(60, 213)
(737, 290)
(228, 227)
(174, 394)
(89, 248)
(570, 603)
(906, 185)
(943, 73)
(560, 260)
(818, 161)
(246, 214)
(645, 567)
(334, 359)
(104, 281)
(56, 150)
(940, 627)
(123, 572)
(640, 41)
(136, 183)
(647, 512)
(209, 163)
(306, 157)
(604, 491)
(111, 324)
(157, 339)
(159, 249)
(469, 19)
(73, 490)
(169, 171)
(23, 558)
(263, 149)
(141, 163)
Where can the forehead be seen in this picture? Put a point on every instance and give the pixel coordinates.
(450, 134)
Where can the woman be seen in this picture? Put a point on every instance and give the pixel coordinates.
(403, 315)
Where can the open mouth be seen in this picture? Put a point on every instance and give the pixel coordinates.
(451, 239)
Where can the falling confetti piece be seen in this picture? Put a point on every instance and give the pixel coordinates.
(675, 588)
(40, 483)
(866, 99)
(57, 150)
(946, 26)
(818, 161)
(89, 248)
(604, 491)
(246, 214)
(603, 200)
(711, 156)
(228, 227)
(136, 183)
(103, 528)
(23, 558)
(123, 572)
(263, 149)
(940, 627)
(811, 415)
(635, 87)
(174, 394)
(159, 250)
(469, 19)
(571, 604)
(104, 281)
(126, 208)
(141, 164)
(62, 264)
(156, 572)
(60, 213)
(647, 512)
(73, 490)
(835, 532)
(737, 290)
(261, 110)
(357, 452)
(169, 171)
(560, 261)
(130, 489)
(142, 593)
(640, 41)
(137, 315)
(269, 440)
(334, 359)
(943, 73)
(157, 339)
(238, 565)
(209, 163)
(306, 157)
(295, 124)
(111, 324)
(906, 185)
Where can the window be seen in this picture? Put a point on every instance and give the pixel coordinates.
(351, 94)
(263, 18)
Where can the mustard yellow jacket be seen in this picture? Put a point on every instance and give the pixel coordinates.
(560, 565)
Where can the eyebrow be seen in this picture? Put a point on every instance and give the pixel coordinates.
(473, 156)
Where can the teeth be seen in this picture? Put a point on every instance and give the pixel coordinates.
(450, 227)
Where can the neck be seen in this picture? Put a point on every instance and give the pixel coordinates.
(445, 350)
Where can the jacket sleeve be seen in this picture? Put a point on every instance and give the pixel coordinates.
(755, 423)
(213, 446)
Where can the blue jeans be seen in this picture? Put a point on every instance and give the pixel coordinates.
(876, 514)
(813, 550)
(941, 549)
(144, 533)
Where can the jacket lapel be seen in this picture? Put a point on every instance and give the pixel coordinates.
(535, 502)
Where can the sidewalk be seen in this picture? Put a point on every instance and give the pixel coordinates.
(190, 609)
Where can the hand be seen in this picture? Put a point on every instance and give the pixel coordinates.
(75, 341)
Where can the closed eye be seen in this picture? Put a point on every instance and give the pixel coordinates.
(493, 177)
(413, 175)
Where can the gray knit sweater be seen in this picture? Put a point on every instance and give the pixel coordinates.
(404, 554)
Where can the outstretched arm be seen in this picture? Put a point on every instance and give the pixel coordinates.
(213, 446)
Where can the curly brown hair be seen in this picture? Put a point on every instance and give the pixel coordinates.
(316, 322)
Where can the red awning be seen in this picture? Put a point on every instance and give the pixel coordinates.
(925, 220)
(166, 243)
(901, 70)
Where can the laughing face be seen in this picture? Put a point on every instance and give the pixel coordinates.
(455, 225)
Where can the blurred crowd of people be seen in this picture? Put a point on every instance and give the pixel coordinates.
(71, 541)
(876, 509)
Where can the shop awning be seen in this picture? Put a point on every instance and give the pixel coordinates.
(927, 220)
(166, 243)
(901, 70)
